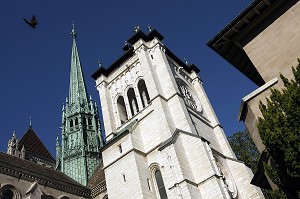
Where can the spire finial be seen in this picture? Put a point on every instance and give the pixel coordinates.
(99, 63)
(30, 122)
(73, 33)
(136, 28)
(149, 28)
(186, 61)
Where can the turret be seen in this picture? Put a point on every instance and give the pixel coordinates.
(13, 143)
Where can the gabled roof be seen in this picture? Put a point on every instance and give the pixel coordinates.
(34, 145)
(30, 171)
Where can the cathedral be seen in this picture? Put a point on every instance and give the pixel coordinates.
(162, 138)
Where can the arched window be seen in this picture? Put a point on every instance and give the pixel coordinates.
(132, 101)
(71, 123)
(64, 197)
(160, 185)
(76, 121)
(143, 92)
(122, 109)
(105, 197)
(7, 194)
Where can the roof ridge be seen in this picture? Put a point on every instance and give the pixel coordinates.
(35, 146)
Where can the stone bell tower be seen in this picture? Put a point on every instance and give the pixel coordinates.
(79, 153)
(163, 137)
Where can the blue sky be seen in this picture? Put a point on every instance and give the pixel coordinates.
(35, 63)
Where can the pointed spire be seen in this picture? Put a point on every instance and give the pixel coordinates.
(186, 61)
(99, 63)
(149, 28)
(77, 91)
(30, 122)
(73, 33)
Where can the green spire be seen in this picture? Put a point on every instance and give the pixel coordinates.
(77, 93)
(79, 153)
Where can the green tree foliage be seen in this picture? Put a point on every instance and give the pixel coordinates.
(244, 148)
(279, 129)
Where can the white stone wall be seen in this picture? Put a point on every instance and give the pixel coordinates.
(187, 164)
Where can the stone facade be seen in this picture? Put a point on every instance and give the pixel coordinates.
(280, 38)
(163, 137)
(265, 38)
(24, 179)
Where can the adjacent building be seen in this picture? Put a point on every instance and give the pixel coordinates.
(262, 42)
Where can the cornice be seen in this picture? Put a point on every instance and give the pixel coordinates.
(42, 179)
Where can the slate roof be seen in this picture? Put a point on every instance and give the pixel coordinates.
(97, 177)
(34, 145)
(30, 171)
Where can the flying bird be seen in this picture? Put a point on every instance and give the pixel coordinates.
(32, 23)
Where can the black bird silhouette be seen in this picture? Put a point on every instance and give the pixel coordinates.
(32, 23)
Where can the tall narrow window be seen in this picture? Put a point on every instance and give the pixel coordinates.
(71, 123)
(122, 110)
(132, 101)
(76, 121)
(160, 185)
(120, 148)
(143, 92)
(84, 120)
(90, 121)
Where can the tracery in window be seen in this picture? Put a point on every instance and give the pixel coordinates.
(143, 92)
(122, 110)
(188, 96)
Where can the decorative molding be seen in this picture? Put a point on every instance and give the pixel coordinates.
(21, 173)
(182, 181)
